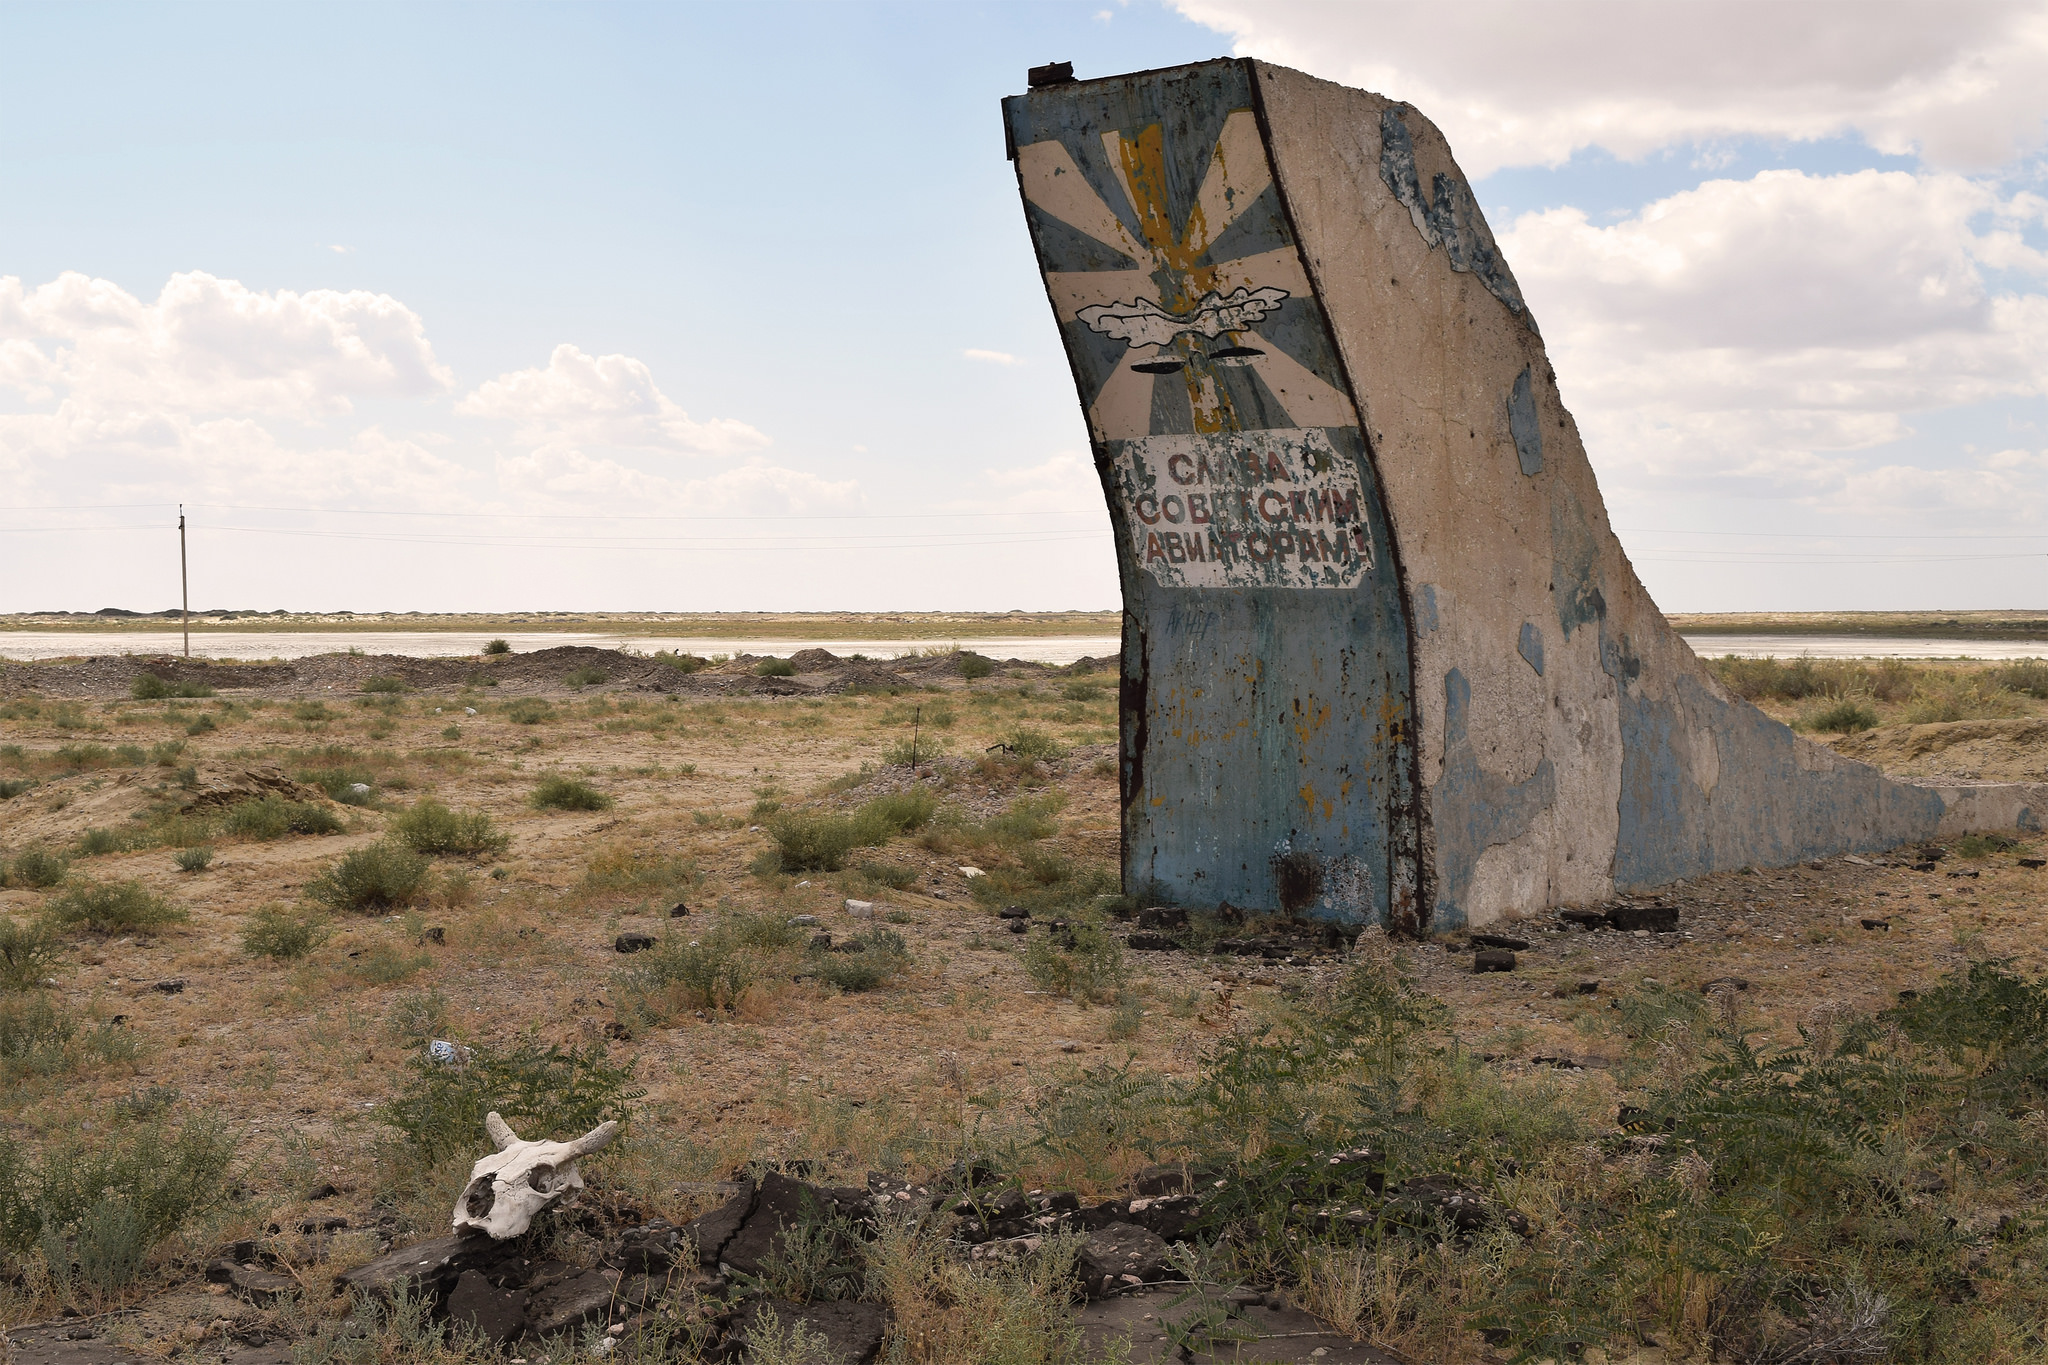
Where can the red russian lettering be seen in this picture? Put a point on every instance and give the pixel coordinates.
(1198, 508)
(1276, 470)
(1277, 501)
(1152, 549)
(1300, 503)
(1194, 544)
(1344, 506)
(1172, 509)
(1244, 504)
(1174, 550)
(1173, 467)
(1153, 518)
(1253, 539)
(1323, 505)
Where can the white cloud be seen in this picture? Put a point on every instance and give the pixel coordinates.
(1831, 306)
(992, 357)
(207, 345)
(1962, 82)
(557, 477)
(608, 400)
(1063, 482)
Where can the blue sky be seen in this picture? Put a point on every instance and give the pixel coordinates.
(731, 307)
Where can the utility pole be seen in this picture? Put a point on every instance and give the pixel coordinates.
(184, 585)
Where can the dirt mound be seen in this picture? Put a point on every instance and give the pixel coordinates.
(2001, 750)
(813, 660)
(57, 812)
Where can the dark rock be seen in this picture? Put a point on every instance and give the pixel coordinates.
(2034, 862)
(1561, 1063)
(1118, 1255)
(1658, 919)
(1518, 945)
(679, 911)
(633, 943)
(323, 1192)
(498, 1315)
(618, 1032)
(1168, 1216)
(821, 943)
(1733, 983)
(1972, 874)
(431, 1266)
(1493, 960)
(1158, 1180)
(711, 1231)
(170, 985)
(852, 1331)
(782, 1202)
(1013, 912)
(1922, 867)
(1102, 1215)
(252, 1283)
(646, 1249)
(1163, 917)
(331, 1223)
(1150, 943)
(1018, 926)
(1590, 919)
(436, 935)
(1932, 853)
(565, 1305)
(1448, 1198)
(1884, 924)
(1588, 988)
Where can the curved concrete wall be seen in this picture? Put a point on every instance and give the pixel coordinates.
(1565, 741)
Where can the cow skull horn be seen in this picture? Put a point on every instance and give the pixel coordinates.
(509, 1187)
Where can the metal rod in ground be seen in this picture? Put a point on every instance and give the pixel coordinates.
(184, 585)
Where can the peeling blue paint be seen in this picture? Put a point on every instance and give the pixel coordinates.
(1429, 607)
(1447, 216)
(1524, 426)
(1471, 809)
(1765, 809)
(1530, 647)
(1575, 575)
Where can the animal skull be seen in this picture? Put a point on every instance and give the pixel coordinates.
(507, 1188)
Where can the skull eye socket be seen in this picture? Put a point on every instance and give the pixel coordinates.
(481, 1196)
(541, 1178)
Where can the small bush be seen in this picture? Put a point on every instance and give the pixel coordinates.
(681, 663)
(193, 859)
(430, 827)
(95, 842)
(39, 1037)
(339, 781)
(387, 964)
(201, 725)
(1845, 715)
(556, 792)
(541, 1092)
(1033, 746)
(114, 908)
(386, 685)
(281, 932)
(312, 712)
(149, 687)
(974, 666)
(775, 668)
(273, 817)
(1090, 970)
(622, 867)
(1984, 845)
(530, 711)
(36, 868)
(498, 647)
(862, 963)
(417, 1016)
(585, 676)
(1082, 691)
(1960, 697)
(373, 877)
(713, 971)
(28, 954)
(15, 786)
(2029, 677)
(895, 876)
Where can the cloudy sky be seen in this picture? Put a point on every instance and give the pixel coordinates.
(731, 307)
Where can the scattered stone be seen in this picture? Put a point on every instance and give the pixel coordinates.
(322, 1192)
(1588, 988)
(646, 1249)
(1013, 912)
(1587, 919)
(1121, 1254)
(1069, 1045)
(251, 1282)
(1657, 919)
(1733, 983)
(1150, 943)
(1860, 862)
(803, 921)
(633, 943)
(2034, 862)
(429, 1266)
(821, 943)
(1884, 924)
(564, 1304)
(1561, 1063)
(1019, 926)
(498, 1315)
(1163, 917)
(861, 909)
(679, 911)
(1518, 945)
(171, 985)
(436, 934)
(710, 1232)
(1493, 960)
(972, 872)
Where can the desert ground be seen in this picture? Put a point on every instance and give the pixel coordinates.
(244, 902)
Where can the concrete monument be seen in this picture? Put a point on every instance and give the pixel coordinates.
(1383, 657)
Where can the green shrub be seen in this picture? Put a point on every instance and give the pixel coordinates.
(585, 676)
(1844, 715)
(37, 868)
(28, 954)
(373, 877)
(273, 817)
(387, 964)
(542, 1092)
(417, 1016)
(1032, 746)
(40, 1037)
(1079, 690)
(97, 841)
(97, 1206)
(880, 954)
(775, 668)
(895, 876)
(818, 842)
(498, 647)
(1027, 819)
(530, 711)
(201, 725)
(2026, 676)
(974, 666)
(149, 687)
(713, 970)
(1088, 968)
(337, 782)
(15, 786)
(556, 792)
(114, 908)
(1971, 696)
(386, 685)
(681, 663)
(281, 932)
(193, 859)
(1984, 845)
(430, 827)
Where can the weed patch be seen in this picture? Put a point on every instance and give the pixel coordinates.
(281, 932)
(150, 687)
(114, 908)
(28, 954)
(556, 792)
(541, 1091)
(373, 877)
(274, 817)
(430, 827)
